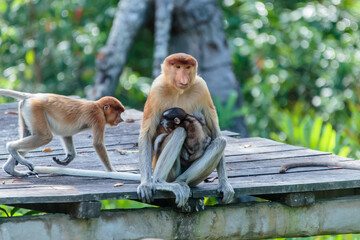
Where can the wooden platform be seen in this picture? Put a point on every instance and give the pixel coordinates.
(252, 163)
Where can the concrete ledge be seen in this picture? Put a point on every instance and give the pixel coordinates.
(240, 221)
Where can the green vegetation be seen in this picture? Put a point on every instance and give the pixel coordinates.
(296, 60)
(298, 63)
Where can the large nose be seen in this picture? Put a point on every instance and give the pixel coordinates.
(184, 80)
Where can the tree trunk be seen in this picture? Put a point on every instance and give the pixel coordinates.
(111, 59)
(190, 26)
(198, 30)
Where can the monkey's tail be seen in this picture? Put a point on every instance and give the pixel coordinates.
(338, 164)
(15, 94)
(88, 173)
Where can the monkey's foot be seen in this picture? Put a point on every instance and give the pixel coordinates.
(64, 162)
(226, 192)
(19, 174)
(180, 189)
(145, 192)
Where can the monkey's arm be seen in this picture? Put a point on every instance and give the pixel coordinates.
(151, 119)
(224, 186)
(145, 189)
(98, 134)
(345, 165)
(69, 150)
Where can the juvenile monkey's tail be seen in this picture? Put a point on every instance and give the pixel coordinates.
(15, 94)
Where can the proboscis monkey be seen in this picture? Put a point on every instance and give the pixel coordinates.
(42, 115)
(197, 138)
(179, 86)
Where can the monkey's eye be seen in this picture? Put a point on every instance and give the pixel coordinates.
(177, 66)
(187, 67)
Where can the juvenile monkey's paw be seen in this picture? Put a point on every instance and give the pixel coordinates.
(145, 192)
(226, 191)
(30, 166)
(32, 173)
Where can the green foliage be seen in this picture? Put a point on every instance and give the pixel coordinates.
(227, 112)
(6, 211)
(133, 89)
(294, 51)
(51, 45)
(308, 131)
(352, 128)
(123, 204)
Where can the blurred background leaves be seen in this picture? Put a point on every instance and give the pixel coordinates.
(298, 62)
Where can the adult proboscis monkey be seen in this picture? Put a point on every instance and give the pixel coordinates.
(179, 86)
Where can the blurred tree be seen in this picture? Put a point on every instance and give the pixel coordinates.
(194, 27)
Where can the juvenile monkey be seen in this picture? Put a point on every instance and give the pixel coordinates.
(179, 86)
(197, 136)
(345, 165)
(42, 115)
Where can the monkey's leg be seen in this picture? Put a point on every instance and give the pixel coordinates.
(168, 165)
(10, 164)
(170, 153)
(69, 149)
(24, 145)
(203, 167)
(40, 133)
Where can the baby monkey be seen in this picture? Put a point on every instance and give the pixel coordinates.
(197, 138)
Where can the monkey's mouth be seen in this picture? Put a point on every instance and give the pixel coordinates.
(116, 122)
(183, 86)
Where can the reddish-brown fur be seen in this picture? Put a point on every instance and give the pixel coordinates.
(179, 86)
(43, 115)
(165, 94)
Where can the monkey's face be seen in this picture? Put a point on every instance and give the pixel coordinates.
(170, 124)
(112, 110)
(182, 78)
(113, 117)
(180, 70)
(172, 118)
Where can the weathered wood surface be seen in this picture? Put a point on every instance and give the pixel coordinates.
(252, 163)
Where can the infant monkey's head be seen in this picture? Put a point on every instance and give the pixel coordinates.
(172, 118)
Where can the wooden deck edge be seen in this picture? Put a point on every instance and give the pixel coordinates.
(241, 221)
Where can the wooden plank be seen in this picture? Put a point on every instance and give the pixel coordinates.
(252, 163)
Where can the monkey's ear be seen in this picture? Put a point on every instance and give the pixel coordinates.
(177, 120)
(106, 107)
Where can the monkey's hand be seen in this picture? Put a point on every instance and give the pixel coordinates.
(226, 191)
(64, 162)
(181, 190)
(145, 192)
(182, 194)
